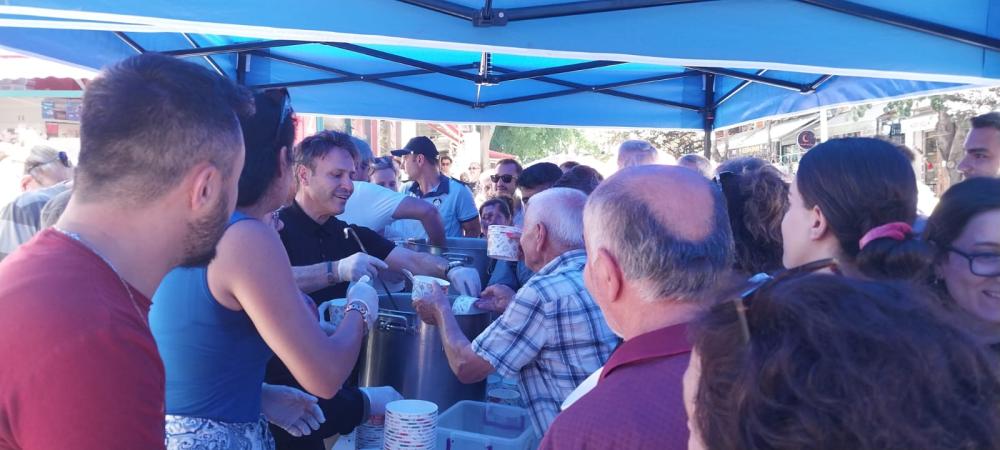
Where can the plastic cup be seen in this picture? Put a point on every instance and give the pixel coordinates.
(503, 242)
(332, 311)
(422, 283)
(504, 397)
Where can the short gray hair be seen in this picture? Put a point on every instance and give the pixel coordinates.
(700, 163)
(364, 150)
(665, 265)
(637, 153)
(561, 211)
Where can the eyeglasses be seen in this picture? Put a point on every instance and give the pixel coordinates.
(62, 157)
(763, 282)
(505, 178)
(981, 264)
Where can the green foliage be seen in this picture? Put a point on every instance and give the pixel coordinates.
(531, 143)
(900, 109)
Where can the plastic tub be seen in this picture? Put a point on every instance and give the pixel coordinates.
(470, 425)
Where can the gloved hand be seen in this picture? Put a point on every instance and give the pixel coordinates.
(353, 267)
(291, 409)
(466, 281)
(495, 298)
(378, 397)
(363, 291)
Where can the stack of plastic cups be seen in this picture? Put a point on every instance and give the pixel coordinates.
(369, 434)
(410, 425)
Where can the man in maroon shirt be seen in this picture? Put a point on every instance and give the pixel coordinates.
(160, 157)
(649, 277)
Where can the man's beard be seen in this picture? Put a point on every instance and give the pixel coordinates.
(203, 235)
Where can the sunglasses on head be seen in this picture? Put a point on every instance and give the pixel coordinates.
(763, 282)
(286, 111)
(62, 157)
(505, 178)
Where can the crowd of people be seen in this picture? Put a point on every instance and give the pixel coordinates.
(163, 292)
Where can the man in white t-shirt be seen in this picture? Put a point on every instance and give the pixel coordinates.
(376, 207)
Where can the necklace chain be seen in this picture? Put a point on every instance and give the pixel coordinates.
(131, 297)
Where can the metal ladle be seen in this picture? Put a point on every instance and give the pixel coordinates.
(348, 233)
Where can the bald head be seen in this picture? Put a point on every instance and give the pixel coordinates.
(665, 225)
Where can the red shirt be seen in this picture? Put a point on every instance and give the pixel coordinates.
(638, 402)
(78, 365)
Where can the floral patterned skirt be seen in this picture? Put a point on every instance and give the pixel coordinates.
(194, 433)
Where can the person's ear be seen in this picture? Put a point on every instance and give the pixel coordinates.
(818, 226)
(207, 185)
(541, 237)
(26, 183)
(608, 274)
(302, 174)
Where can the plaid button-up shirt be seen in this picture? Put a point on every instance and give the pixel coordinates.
(552, 336)
(21, 219)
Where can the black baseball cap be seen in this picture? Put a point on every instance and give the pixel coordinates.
(420, 145)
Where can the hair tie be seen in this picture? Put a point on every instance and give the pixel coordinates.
(894, 230)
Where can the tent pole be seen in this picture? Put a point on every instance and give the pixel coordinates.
(708, 114)
(130, 42)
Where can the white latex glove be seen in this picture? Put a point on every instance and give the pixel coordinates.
(466, 281)
(378, 397)
(291, 409)
(363, 291)
(353, 267)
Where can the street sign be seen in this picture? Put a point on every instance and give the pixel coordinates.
(806, 139)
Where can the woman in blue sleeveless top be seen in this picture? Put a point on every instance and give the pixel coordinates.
(216, 326)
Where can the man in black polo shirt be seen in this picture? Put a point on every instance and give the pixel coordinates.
(323, 259)
(325, 262)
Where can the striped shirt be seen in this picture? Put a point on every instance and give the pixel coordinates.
(552, 336)
(21, 219)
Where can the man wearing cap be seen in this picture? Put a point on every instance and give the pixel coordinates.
(375, 207)
(452, 198)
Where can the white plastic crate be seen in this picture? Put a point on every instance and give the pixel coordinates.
(470, 425)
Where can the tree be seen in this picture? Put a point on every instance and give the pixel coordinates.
(954, 111)
(676, 143)
(530, 143)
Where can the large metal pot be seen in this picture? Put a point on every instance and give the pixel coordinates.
(470, 251)
(407, 354)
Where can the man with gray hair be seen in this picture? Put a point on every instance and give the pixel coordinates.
(636, 152)
(46, 174)
(552, 335)
(696, 163)
(653, 262)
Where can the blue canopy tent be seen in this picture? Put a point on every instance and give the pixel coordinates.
(616, 63)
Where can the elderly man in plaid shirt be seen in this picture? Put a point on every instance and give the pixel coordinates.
(552, 335)
(46, 175)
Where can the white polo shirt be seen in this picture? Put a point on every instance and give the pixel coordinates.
(372, 206)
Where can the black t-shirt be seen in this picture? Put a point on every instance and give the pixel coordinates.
(308, 243)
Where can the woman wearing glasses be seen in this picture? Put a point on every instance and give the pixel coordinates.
(854, 200)
(965, 231)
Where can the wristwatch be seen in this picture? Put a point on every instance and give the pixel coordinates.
(452, 265)
(361, 307)
(331, 278)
